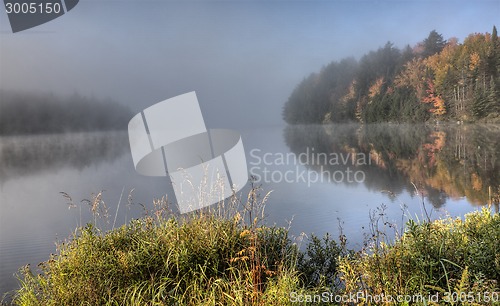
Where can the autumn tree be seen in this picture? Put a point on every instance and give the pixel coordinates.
(437, 78)
(438, 106)
(413, 76)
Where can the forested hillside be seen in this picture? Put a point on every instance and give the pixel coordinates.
(41, 113)
(437, 79)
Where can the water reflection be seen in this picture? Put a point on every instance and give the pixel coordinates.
(33, 172)
(441, 162)
(445, 163)
(27, 155)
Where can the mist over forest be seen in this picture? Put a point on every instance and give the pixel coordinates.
(47, 113)
(436, 79)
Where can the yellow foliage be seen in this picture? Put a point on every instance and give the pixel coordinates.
(351, 93)
(474, 61)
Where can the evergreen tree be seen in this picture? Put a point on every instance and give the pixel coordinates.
(433, 44)
(494, 60)
(436, 80)
(493, 97)
(480, 104)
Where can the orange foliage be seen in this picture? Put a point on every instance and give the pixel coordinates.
(439, 140)
(474, 61)
(477, 183)
(351, 93)
(439, 107)
(376, 87)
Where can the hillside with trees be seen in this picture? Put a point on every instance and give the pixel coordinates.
(44, 113)
(435, 80)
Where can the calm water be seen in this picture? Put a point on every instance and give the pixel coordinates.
(320, 176)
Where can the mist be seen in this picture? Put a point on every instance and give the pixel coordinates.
(242, 58)
(47, 113)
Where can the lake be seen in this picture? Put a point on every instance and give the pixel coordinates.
(322, 178)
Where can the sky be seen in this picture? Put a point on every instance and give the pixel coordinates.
(243, 58)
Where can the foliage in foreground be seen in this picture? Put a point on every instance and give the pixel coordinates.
(204, 258)
(192, 263)
(209, 259)
(447, 257)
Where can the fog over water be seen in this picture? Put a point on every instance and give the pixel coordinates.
(450, 168)
(242, 57)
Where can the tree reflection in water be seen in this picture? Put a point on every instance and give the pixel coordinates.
(442, 161)
(26, 155)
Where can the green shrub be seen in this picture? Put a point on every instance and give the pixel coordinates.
(209, 258)
(318, 265)
(147, 262)
(442, 256)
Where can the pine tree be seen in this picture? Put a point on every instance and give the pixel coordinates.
(496, 51)
(493, 57)
(433, 44)
(480, 106)
(493, 98)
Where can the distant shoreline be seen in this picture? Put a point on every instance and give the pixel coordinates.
(435, 80)
(23, 113)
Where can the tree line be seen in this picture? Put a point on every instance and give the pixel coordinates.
(437, 79)
(44, 113)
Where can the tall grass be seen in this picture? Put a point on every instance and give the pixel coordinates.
(447, 257)
(226, 255)
(216, 256)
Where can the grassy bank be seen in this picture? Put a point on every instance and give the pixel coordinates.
(229, 257)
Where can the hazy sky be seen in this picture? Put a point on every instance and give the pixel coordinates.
(243, 58)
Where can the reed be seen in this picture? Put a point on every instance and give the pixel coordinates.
(226, 255)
